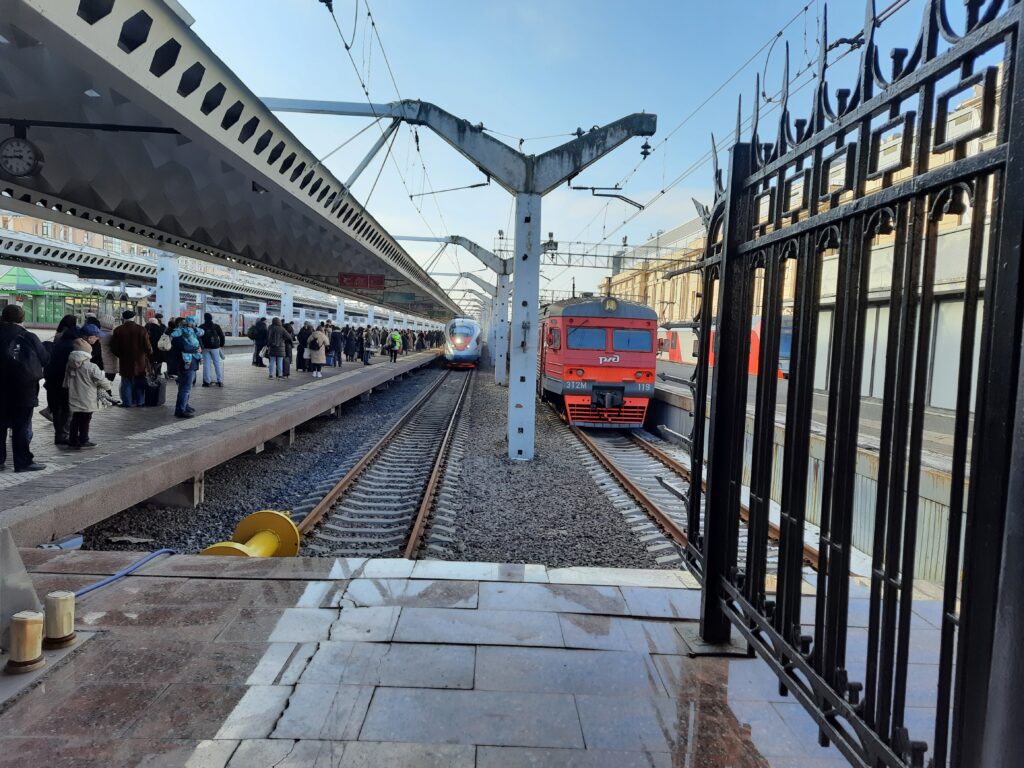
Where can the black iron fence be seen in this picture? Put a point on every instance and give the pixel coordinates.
(850, 204)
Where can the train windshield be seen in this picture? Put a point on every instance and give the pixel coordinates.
(631, 341)
(462, 330)
(580, 337)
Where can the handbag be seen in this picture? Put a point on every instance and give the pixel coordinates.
(265, 354)
(164, 343)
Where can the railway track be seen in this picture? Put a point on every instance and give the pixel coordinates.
(380, 507)
(658, 480)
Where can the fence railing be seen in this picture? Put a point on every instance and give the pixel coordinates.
(886, 164)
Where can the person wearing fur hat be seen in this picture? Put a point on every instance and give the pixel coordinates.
(86, 387)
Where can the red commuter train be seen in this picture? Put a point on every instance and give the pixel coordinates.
(597, 359)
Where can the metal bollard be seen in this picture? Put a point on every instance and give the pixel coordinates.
(266, 533)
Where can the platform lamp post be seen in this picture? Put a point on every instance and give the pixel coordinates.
(529, 178)
(503, 269)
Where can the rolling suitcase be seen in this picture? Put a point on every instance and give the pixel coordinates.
(156, 392)
(330, 359)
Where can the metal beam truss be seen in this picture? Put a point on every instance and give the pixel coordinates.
(604, 256)
(40, 251)
(833, 187)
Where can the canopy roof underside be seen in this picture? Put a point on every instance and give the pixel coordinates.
(205, 169)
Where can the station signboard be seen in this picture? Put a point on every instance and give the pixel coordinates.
(353, 280)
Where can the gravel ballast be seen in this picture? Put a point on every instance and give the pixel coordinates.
(277, 478)
(550, 510)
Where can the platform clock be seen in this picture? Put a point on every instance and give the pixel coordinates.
(19, 157)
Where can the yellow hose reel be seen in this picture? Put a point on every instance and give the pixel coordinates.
(266, 533)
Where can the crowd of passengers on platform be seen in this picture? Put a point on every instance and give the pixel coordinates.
(77, 367)
(326, 343)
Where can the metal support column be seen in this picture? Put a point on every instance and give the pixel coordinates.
(263, 309)
(287, 302)
(522, 388)
(369, 315)
(236, 319)
(168, 286)
(339, 313)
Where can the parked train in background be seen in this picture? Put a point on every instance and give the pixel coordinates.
(597, 360)
(677, 343)
(462, 343)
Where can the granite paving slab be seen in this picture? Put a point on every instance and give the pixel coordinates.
(473, 717)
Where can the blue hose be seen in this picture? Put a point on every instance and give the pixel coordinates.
(123, 572)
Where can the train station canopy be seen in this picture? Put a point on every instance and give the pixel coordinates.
(145, 135)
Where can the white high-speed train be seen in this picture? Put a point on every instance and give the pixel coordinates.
(462, 342)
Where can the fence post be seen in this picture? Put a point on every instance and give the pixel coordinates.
(728, 399)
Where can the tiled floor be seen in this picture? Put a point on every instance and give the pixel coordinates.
(303, 662)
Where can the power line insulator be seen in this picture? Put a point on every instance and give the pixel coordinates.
(645, 149)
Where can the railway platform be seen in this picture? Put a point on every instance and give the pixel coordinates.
(206, 661)
(143, 452)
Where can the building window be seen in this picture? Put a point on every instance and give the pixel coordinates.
(822, 348)
(876, 342)
(47, 229)
(945, 359)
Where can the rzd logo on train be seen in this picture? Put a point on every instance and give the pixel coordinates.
(610, 359)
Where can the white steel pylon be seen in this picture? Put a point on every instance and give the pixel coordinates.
(529, 178)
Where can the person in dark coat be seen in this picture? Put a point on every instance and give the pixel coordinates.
(303, 339)
(211, 337)
(53, 378)
(337, 345)
(130, 344)
(96, 356)
(19, 389)
(277, 337)
(350, 344)
(172, 358)
(155, 328)
(258, 334)
(289, 344)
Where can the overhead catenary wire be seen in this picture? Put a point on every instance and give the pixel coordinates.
(853, 45)
(366, 94)
(693, 113)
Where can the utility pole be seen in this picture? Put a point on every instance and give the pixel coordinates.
(529, 178)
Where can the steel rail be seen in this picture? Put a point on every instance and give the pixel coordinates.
(674, 531)
(412, 545)
(774, 533)
(315, 514)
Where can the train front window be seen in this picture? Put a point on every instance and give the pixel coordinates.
(462, 330)
(580, 337)
(631, 341)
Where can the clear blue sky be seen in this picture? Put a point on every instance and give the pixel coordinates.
(530, 68)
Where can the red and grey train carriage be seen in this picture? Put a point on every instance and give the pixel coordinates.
(597, 359)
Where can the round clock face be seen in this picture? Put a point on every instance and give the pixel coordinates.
(18, 157)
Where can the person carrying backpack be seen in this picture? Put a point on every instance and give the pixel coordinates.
(22, 357)
(211, 336)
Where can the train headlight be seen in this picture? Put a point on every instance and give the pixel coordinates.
(579, 371)
(639, 374)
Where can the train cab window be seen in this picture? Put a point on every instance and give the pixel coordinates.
(631, 341)
(582, 337)
(554, 338)
(462, 330)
